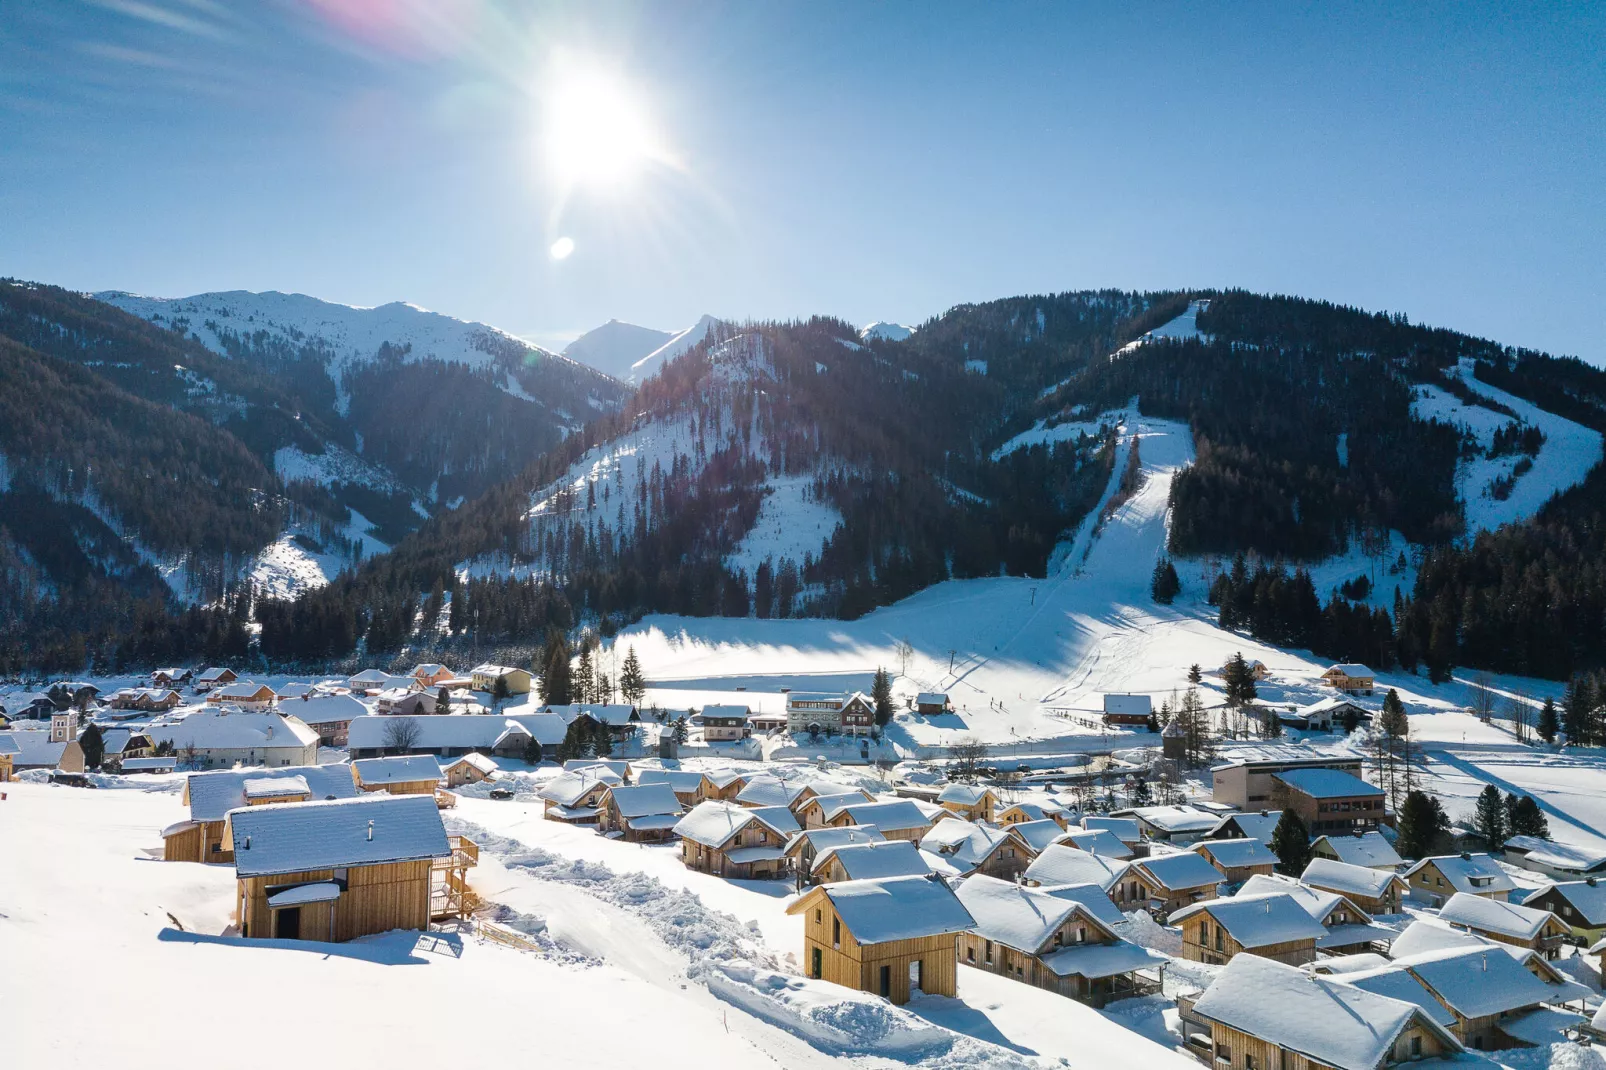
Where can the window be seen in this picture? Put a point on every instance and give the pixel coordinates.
(1081, 934)
(816, 915)
(1219, 946)
(1249, 1061)
(970, 954)
(988, 951)
(836, 932)
(1566, 912)
(1416, 1047)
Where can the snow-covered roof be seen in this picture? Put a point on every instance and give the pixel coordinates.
(1317, 902)
(1588, 898)
(492, 670)
(213, 673)
(825, 839)
(1326, 783)
(1016, 916)
(1332, 1023)
(1125, 828)
(1257, 920)
(613, 765)
(713, 822)
(1351, 880)
(474, 760)
(1175, 819)
(1032, 811)
(369, 676)
(143, 765)
(272, 786)
(235, 730)
(744, 855)
(372, 829)
(1427, 935)
(315, 892)
(1489, 915)
(33, 748)
(766, 790)
(931, 698)
(429, 668)
(401, 769)
(894, 908)
(1566, 857)
(964, 794)
(1180, 871)
(1091, 896)
(1236, 853)
(1128, 705)
(566, 789)
(965, 844)
(680, 780)
(324, 709)
(241, 690)
(212, 795)
(1477, 981)
(1369, 849)
(724, 778)
(1039, 834)
(635, 801)
(1468, 873)
(1395, 982)
(1095, 961)
(1350, 668)
(890, 816)
(877, 859)
(465, 731)
(1060, 864)
(1254, 825)
(727, 712)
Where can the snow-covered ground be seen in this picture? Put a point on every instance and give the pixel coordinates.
(887, 331)
(1183, 327)
(791, 522)
(682, 342)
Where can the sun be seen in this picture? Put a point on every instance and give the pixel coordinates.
(597, 132)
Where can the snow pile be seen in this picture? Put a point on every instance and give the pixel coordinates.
(827, 1015)
(1141, 929)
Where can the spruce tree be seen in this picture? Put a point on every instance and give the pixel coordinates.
(443, 698)
(93, 744)
(1195, 674)
(1290, 842)
(1164, 584)
(1422, 823)
(678, 730)
(1548, 723)
(585, 683)
(556, 684)
(1489, 817)
(1527, 819)
(881, 692)
(632, 684)
(532, 752)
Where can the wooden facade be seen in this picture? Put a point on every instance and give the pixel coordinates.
(845, 819)
(1138, 885)
(1582, 929)
(1204, 939)
(980, 810)
(1233, 874)
(403, 787)
(717, 860)
(203, 842)
(1430, 882)
(376, 899)
(889, 969)
(1233, 1049)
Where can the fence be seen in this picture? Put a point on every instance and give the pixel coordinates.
(501, 934)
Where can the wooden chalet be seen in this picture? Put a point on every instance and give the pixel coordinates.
(869, 861)
(339, 870)
(215, 677)
(170, 677)
(1260, 1014)
(1377, 891)
(1351, 678)
(813, 810)
(641, 813)
(960, 848)
(1273, 926)
(1164, 883)
(1062, 940)
(1437, 878)
(725, 724)
(211, 796)
(1482, 994)
(689, 786)
(888, 937)
(1367, 849)
(1537, 930)
(932, 704)
(741, 842)
(1131, 711)
(1581, 906)
(1238, 860)
(1097, 841)
(407, 774)
(969, 801)
(407, 702)
(1022, 812)
(805, 848)
(896, 819)
(576, 796)
(246, 694)
(1348, 928)
(1249, 826)
(471, 768)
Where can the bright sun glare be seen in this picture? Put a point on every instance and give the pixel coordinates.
(597, 133)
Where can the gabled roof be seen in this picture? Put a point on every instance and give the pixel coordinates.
(732, 712)
(824, 839)
(474, 760)
(1332, 1023)
(875, 860)
(1472, 873)
(318, 709)
(1489, 915)
(1179, 871)
(964, 794)
(890, 816)
(1019, 917)
(680, 780)
(372, 829)
(766, 790)
(965, 844)
(1094, 898)
(566, 789)
(1174, 819)
(1350, 668)
(213, 673)
(1369, 849)
(1477, 981)
(896, 908)
(1237, 853)
(235, 730)
(1257, 920)
(715, 822)
(1567, 857)
(644, 800)
(402, 769)
(1129, 705)
(1425, 936)
(1395, 982)
(1060, 864)
(241, 690)
(1126, 829)
(1033, 811)
(1326, 783)
(1317, 902)
(1589, 899)
(1039, 834)
(1254, 825)
(1351, 880)
(212, 795)
(931, 698)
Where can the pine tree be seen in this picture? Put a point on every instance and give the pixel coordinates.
(1164, 584)
(1489, 817)
(632, 684)
(881, 692)
(1290, 842)
(678, 730)
(443, 698)
(556, 683)
(1527, 819)
(532, 752)
(1195, 674)
(1422, 823)
(93, 744)
(1548, 723)
(585, 683)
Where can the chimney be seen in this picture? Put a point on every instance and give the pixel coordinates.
(248, 842)
(370, 830)
(1485, 961)
(1590, 881)
(1466, 856)
(1268, 904)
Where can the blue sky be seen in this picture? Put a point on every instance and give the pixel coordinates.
(872, 161)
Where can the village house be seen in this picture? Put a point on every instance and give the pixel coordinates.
(471, 768)
(1061, 864)
(1022, 812)
(1428, 937)
(410, 774)
(825, 713)
(969, 801)
(1251, 784)
(1507, 923)
(1273, 926)
(618, 767)
(806, 847)
(812, 811)
(1057, 943)
(1438, 877)
(576, 796)
(723, 784)
(932, 704)
(960, 848)
(1125, 829)
(1367, 849)
(343, 869)
(330, 715)
(121, 745)
(8, 751)
(1561, 861)
(373, 681)
(896, 819)
(1348, 930)
(619, 720)
(689, 786)
(514, 681)
(888, 937)
(1040, 835)
(431, 675)
(151, 699)
(1238, 860)
(739, 842)
(1164, 883)
(726, 724)
(407, 702)
(227, 737)
(642, 813)
(1250, 826)
(210, 797)
(872, 860)
(1351, 678)
(1485, 990)
(1376, 891)
(1178, 825)
(215, 677)
(1132, 711)
(170, 678)
(1581, 906)
(54, 749)
(1259, 1014)
(1324, 714)
(451, 737)
(1329, 801)
(1099, 842)
(246, 694)
(768, 790)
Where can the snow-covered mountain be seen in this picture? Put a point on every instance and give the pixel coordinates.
(890, 332)
(682, 342)
(616, 346)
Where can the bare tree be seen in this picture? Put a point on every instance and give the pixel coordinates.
(190, 755)
(884, 768)
(1483, 697)
(905, 652)
(402, 734)
(967, 754)
(1521, 716)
